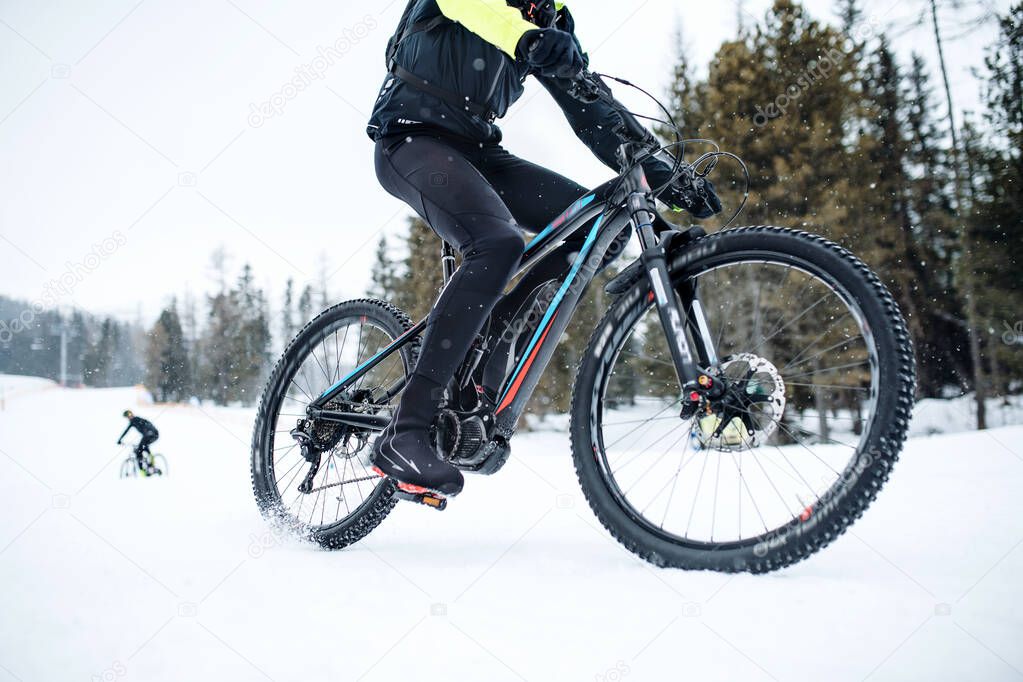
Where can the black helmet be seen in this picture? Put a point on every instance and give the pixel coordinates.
(128, 414)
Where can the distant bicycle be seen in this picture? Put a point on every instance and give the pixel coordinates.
(155, 462)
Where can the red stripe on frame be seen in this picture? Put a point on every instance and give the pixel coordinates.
(525, 368)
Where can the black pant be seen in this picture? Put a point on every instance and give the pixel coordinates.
(478, 199)
(143, 446)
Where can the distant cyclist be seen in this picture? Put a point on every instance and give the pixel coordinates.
(149, 436)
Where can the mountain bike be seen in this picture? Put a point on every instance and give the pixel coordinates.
(130, 467)
(740, 404)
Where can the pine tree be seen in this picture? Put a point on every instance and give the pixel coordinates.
(190, 329)
(419, 283)
(995, 230)
(78, 346)
(850, 15)
(383, 274)
(218, 369)
(287, 313)
(168, 366)
(96, 364)
(322, 282)
(305, 305)
(252, 339)
(888, 201)
(939, 350)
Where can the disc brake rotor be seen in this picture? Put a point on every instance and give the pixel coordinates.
(749, 412)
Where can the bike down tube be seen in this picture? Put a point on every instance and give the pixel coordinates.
(519, 386)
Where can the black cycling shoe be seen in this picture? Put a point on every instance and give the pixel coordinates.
(408, 457)
(403, 450)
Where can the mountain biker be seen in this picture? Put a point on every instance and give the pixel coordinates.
(455, 66)
(149, 436)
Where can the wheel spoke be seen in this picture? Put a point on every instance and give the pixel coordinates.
(319, 363)
(794, 377)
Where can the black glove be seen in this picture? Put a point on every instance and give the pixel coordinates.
(697, 196)
(551, 52)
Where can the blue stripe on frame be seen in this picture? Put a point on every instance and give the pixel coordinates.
(565, 217)
(580, 259)
(359, 368)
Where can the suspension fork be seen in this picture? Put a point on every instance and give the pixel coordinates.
(699, 330)
(672, 315)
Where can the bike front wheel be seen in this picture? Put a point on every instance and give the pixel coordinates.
(821, 382)
(129, 469)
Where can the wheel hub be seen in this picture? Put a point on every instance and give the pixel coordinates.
(749, 409)
(320, 435)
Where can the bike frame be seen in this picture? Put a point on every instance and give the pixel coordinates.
(632, 204)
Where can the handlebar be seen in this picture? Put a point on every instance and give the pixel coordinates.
(638, 144)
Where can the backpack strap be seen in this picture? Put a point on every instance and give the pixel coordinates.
(405, 30)
(447, 96)
(398, 71)
(426, 25)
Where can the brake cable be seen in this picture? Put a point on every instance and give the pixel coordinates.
(680, 167)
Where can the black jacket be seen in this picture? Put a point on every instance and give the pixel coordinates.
(481, 66)
(144, 427)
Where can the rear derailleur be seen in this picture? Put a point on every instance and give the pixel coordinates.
(314, 437)
(303, 435)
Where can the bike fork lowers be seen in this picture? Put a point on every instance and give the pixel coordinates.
(669, 309)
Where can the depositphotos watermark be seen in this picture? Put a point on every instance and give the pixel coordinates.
(815, 71)
(307, 74)
(823, 505)
(75, 272)
(1013, 334)
(615, 673)
(115, 671)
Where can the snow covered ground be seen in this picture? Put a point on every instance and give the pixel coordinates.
(179, 578)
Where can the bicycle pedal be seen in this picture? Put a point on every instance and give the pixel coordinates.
(415, 493)
(428, 499)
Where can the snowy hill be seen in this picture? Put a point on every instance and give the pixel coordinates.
(179, 578)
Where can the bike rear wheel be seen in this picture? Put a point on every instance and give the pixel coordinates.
(344, 500)
(821, 372)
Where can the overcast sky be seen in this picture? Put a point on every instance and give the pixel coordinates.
(132, 122)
